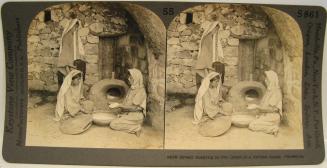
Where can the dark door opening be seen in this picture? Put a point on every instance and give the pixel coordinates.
(107, 56)
(246, 60)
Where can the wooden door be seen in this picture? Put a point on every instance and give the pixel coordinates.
(246, 59)
(107, 52)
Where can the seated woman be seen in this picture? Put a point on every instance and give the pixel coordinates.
(70, 96)
(133, 106)
(208, 101)
(270, 107)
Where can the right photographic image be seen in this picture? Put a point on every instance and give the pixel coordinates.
(233, 79)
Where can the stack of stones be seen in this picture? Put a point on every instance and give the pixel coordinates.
(44, 38)
(184, 35)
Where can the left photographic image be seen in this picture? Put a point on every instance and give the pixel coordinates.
(96, 77)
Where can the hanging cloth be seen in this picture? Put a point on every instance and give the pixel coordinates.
(210, 48)
(71, 46)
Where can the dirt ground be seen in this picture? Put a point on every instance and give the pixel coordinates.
(182, 134)
(42, 130)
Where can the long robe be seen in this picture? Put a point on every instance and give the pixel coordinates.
(71, 47)
(268, 122)
(69, 96)
(210, 49)
(132, 121)
(205, 102)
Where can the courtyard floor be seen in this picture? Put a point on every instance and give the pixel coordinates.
(42, 130)
(180, 133)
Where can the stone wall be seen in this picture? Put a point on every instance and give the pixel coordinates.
(44, 39)
(237, 22)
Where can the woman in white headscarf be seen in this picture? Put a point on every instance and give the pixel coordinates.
(133, 106)
(69, 96)
(208, 101)
(270, 107)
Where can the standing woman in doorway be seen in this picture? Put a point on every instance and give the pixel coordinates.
(71, 53)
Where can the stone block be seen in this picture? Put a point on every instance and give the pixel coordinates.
(183, 54)
(231, 71)
(209, 9)
(173, 41)
(47, 77)
(35, 85)
(52, 88)
(44, 36)
(185, 39)
(182, 18)
(92, 39)
(91, 79)
(230, 51)
(118, 20)
(195, 37)
(240, 20)
(198, 8)
(83, 8)
(33, 39)
(230, 82)
(50, 60)
(45, 31)
(226, 10)
(64, 22)
(40, 25)
(181, 28)
(173, 34)
(66, 7)
(238, 30)
(92, 59)
(187, 62)
(233, 41)
(205, 25)
(40, 16)
(91, 68)
(190, 45)
(56, 15)
(259, 24)
(99, 18)
(231, 60)
(91, 49)
(45, 52)
(188, 84)
(188, 76)
(198, 17)
(83, 31)
(174, 70)
(96, 28)
(224, 33)
(174, 87)
(35, 67)
(186, 32)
